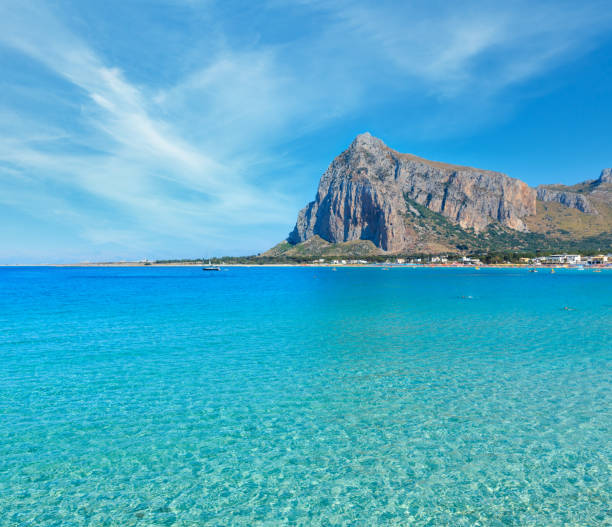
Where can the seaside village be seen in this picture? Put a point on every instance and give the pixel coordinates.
(553, 260)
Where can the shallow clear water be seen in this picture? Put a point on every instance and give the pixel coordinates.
(301, 396)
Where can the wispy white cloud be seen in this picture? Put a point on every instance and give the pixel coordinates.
(452, 47)
(143, 160)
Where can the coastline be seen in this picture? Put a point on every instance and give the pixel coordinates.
(317, 265)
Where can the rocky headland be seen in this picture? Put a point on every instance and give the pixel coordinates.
(402, 203)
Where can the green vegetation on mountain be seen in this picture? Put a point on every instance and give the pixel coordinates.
(585, 235)
(317, 247)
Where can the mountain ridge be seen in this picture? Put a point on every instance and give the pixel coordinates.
(403, 203)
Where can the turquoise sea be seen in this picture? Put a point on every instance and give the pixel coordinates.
(304, 396)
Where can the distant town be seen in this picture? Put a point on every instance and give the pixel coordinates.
(553, 259)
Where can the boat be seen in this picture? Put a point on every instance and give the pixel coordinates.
(579, 268)
(552, 271)
(597, 270)
(477, 268)
(533, 270)
(211, 267)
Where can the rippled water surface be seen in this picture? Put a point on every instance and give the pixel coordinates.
(301, 396)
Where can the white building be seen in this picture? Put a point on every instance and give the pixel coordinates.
(572, 259)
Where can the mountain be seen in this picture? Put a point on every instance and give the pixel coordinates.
(578, 212)
(373, 198)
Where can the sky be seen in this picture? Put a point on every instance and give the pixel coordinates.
(184, 128)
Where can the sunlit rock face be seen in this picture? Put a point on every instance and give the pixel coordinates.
(573, 200)
(606, 176)
(366, 192)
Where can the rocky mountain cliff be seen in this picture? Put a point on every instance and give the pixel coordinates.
(573, 200)
(583, 196)
(403, 203)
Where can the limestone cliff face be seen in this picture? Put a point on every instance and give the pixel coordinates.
(601, 189)
(573, 200)
(586, 197)
(366, 192)
(605, 176)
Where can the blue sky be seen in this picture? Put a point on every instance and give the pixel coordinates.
(157, 129)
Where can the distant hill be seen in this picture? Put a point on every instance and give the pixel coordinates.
(374, 200)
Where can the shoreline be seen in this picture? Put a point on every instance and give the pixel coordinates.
(318, 265)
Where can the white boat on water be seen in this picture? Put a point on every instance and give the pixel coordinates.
(211, 267)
